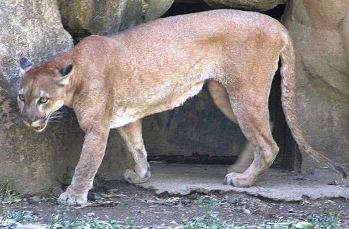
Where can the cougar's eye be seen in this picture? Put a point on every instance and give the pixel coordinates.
(43, 100)
(21, 97)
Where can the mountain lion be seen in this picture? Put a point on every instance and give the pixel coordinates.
(115, 81)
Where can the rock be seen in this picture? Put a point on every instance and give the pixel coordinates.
(30, 226)
(319, 29)
(257, 5)
(85, 17)
(32, 162)
(304, 225)
(33, 29)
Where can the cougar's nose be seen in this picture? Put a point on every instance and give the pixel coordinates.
(33, 123)
(29, 120)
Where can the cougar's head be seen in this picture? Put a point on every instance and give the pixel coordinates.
(42, 92)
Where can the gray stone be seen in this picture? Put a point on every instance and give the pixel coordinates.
(32, 162)
(84, 17)
(258, 5)
(278, 185)
(32, 29)
(320, 33)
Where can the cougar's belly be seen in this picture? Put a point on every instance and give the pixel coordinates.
(127, 114)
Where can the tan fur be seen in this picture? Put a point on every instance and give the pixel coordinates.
(118, 80)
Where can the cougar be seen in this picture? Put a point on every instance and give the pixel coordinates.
(114, 81)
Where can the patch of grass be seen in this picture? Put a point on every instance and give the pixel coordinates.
(330, 221)
(21, 216)
(90, 222)
(208, 201)
(85, 222)
(276, 225)
(8, 195)
(210, 221)
(10, 219)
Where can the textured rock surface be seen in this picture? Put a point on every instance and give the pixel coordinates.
(320, 33)
(179, 179)
(258, 5)
(33, 162)
(33, 29)
(84, 17)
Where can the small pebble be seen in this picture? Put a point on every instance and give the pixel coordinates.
(304, 225)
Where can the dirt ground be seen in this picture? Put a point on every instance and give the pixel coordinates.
(144, 209)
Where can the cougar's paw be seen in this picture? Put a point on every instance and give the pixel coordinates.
(69, 198)
(238, 180)
(132, 177)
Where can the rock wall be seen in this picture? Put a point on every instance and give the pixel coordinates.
(257, 5)
(28, 28)
(86, 17)
(320, 29)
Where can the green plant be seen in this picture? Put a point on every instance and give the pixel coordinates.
(207, 221)
(59, 221)
(210, 221)
(276, 225)
(208, 201)
(10, 219)
(8, 195)
(328, 221)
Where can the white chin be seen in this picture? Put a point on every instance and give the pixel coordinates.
(41, 129)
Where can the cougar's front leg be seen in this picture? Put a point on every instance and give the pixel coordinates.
(86, 169)
(132, 135)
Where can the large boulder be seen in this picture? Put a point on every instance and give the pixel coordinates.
(32, 162)
(85, 17)
(258, 5)
(33, 29)
(320, 29)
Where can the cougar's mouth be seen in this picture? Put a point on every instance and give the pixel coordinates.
(42, 126)
(38, 125)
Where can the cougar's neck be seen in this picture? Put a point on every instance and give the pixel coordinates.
(72, 89)
(75, 79)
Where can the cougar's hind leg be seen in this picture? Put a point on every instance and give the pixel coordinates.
(252, 113)
(245, 159)
(132, 135)
(221, 99)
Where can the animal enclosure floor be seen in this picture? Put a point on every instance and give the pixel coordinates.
(279, 185)
(137, 207)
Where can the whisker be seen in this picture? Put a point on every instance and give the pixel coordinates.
(54, 119)
(56, 116)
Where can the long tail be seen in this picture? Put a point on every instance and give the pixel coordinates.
(288, 87)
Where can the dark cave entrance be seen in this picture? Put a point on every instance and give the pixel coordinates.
(186, 135)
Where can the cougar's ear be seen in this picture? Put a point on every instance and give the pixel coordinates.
(65, 74)
(25, 64)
